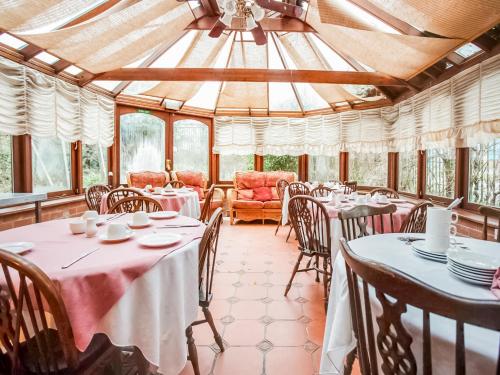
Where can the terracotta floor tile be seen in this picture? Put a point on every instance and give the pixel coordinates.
(277, 293)
(286, 333)
(280, 278)
(205, 361)
(248, 310)
(253, 278)
(251, 292)
(316, 358)
(225, 279)
(239, 361)
(244, 332)
(315, 309)
(203, 334)
(219, 308)
(284, 310)
(297, 360)
(315, 331)
(230, 266)
(223, 291)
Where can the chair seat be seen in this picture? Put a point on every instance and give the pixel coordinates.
(248, 204)
(275, 204)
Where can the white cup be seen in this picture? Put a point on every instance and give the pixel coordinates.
(158, 190)
(77, 227)
(90, 215)
(439, 228)
(148, 187)
(116, 231)
(140, 218)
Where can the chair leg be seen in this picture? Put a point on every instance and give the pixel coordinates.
(317, 266)
(277, 227)
(289, 232)
(193, 354)
(325, 281)
(349, 361)
(210, 320)
(295, 268)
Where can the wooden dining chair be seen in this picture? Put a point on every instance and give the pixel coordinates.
(134, 204)
(280, 190)
(416, 221)
(493, 214)
(388, 192)
(207, 205)
(32, 345)
(311, 223)
(350, 186)
(176, 184)
(389, 346)
(296, 188)
(358, 221)
(93, 196)
(321, 191)
(206, 265)
(120, 193)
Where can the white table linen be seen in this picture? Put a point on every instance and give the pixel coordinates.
(481, 344)
(191, 207)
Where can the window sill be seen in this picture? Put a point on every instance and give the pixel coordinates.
(52, 202)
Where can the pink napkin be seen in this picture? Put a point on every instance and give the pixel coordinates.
(495, 286)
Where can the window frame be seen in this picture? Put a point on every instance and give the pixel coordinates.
(368, 187)
(436, 198)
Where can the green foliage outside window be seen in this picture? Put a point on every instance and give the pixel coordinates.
(281, 163)
(5, 164)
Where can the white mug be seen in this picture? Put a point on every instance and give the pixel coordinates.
(77, 227)
(90, 215)
(439, 228)
(116, 231)
(139, 218)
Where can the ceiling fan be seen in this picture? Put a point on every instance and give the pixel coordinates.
(252, 12)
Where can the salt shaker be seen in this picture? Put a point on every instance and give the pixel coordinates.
(91, 227)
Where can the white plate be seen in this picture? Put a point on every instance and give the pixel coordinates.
(469, 280)
(135, 226)
(470, 269)
(324, 199)
(163, 215)
(422, 255)
(17, 247)
(169, 193)
(475, 260)
(159, 239)
(471, 276)
(421, 246)
(437, 256)
(104, 237)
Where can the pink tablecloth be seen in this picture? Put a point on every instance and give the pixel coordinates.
(93, 285)
(167, 202)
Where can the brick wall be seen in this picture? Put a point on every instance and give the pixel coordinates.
(58, 209)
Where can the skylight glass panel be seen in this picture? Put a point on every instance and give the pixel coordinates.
(107, 85)
(334, 61)
(174, 54)
(72, 69)
(468, 50)
(172, 104)
(138, 87)
(194, 4)
(310, 99)
(12, 41)
(47, 58)
(370, 19)
(282, 97)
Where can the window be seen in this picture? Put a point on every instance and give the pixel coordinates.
(142, 144)
(281, 163)
(229, 164)
(368, 169)
(191, 146)
(407, 171)
(440, 172)
(484, 174)
(51, 158)
(5, 163)
(323, 168)
(95, 165)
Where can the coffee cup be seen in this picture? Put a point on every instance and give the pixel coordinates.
(439, 228)
(78, 226)
(90, 215)
(158, 190)
(140, 218)
(116, 231)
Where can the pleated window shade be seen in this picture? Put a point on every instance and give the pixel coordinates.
(44, 106)
(460, 112)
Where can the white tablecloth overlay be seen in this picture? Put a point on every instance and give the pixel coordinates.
(156, 309)
(190, 208)
(481, 344)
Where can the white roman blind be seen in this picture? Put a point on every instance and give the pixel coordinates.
(44, 106)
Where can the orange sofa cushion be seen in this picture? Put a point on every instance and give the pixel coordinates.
(250, 180)
(141, 179)
(248, 204)
(262, 194)
(273, 177)
(245, 194)
(192, 179)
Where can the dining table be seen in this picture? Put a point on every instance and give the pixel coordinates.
(482, 346)
(137, 296)
(186, 202)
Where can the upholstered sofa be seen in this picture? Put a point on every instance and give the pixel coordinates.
(254, 195)
(198, 182)
(143, 178)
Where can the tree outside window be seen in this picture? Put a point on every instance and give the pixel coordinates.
(440, 172)
(368, 169)
(95, 165)
(286, 163)
(5, 163)
(484, 173)
(229, 164)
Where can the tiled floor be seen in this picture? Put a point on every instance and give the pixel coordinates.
(265, 332)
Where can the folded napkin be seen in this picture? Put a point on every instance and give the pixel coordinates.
(495, 285)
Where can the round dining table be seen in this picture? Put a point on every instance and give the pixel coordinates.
(481, 345)
(184, 202)
(137, 296)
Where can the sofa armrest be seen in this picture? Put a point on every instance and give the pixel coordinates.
(231, 196)
(219, 194)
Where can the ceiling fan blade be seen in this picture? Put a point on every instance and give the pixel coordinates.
(289, 10)
(217, 29)
(258, 35)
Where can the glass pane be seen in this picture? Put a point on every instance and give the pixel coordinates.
(323, 168)
(368, 169)
(142, 144)
(95, 165)
(484, 174)
(408, 171)
(191, 146)
(229, 164)
(281, 163)
(51, 159)
(440, 180)
(5, 164)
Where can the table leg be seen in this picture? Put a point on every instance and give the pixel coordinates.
(38, 212)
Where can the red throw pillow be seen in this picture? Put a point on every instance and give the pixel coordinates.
(262, 194)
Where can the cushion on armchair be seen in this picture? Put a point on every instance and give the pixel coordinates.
(245, 194)
(249, 180)
(193, 179)
(141, 179)
(262, 194)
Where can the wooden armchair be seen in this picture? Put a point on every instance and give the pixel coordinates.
(198, 182)
(143, 178)
(491, 213)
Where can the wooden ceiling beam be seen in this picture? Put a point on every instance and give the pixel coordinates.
(268, 24)
(248, 75)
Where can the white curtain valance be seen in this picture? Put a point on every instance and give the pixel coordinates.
(44, 106)
(460, 112)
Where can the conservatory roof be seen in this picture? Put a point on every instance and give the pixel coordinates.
(337, 54)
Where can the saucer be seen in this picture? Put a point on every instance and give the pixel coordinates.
(169, 193)
(159, 239)
(139, 226)
(17, 247)
(163, 215)
(104, 237)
